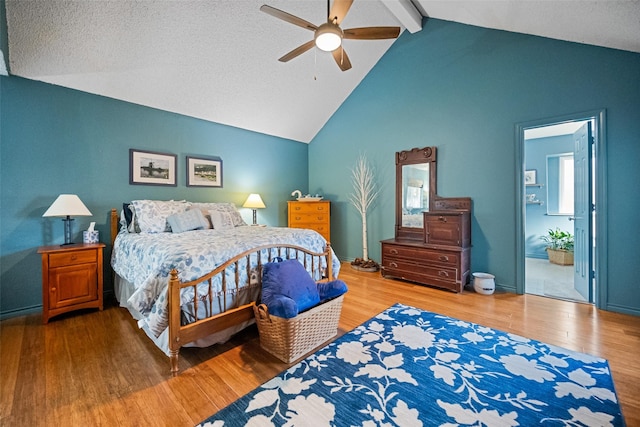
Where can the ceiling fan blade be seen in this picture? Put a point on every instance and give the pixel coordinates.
(339, 10)
(372, 33)
(288, 17)
(341, 58)
(298, 51)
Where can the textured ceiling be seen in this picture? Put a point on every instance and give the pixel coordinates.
(217, 60)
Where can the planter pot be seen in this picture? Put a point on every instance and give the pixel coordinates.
(365, 269)
(560, 257)
(484, 283)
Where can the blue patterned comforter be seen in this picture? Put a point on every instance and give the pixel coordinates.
(145, 260)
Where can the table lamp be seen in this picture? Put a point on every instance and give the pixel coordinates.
(254, 201)
(66, 206)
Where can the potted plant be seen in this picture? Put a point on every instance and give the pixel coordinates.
(559, 246)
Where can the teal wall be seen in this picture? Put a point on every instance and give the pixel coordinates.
(463, 89)
(457, 87)
(55, 140)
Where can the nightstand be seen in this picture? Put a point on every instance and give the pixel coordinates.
(71, 278)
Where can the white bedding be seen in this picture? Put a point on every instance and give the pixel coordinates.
(145, 260)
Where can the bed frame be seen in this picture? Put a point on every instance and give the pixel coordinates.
(180, 335)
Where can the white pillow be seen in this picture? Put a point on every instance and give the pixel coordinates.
(151, 215)
(187, 221)
(229, 208)
(221, 220)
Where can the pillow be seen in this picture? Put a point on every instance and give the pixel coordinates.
(229, 208)
(287, 288)
(333, 289)
(127, 214)
(221, 220)
(187, 221)
(151, 215)
(123, 222)
(128, 217)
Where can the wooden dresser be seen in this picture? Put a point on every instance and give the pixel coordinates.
(71, 278)
(432, 243)
(312, 215)
(441, 259)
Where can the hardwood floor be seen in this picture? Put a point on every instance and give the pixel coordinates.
(97, 368)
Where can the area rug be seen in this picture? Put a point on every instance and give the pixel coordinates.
(409, 367)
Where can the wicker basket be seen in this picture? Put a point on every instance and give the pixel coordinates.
(560, 257)
(290, 339)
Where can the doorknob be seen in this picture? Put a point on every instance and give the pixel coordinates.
(572, 218)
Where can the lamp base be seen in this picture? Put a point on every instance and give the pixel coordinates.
(67, 231)
(255, 217)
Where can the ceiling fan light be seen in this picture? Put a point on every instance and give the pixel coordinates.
(328, 37)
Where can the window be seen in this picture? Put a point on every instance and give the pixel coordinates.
(560, 184)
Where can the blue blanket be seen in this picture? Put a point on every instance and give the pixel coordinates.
(409, 367)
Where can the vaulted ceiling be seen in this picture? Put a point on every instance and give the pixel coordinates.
(217, 60)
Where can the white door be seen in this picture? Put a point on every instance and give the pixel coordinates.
(583, 211)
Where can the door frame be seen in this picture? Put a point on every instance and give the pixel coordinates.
(600, 173)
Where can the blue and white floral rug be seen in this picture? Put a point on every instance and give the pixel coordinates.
(409, 367)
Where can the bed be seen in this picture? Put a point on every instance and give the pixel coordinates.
(198, 286)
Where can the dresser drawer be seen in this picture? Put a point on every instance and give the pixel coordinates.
(72, 258)
(430, 256)
(304, 218)
(423, 273)
(309, 208)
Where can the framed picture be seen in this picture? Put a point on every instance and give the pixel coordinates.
(530, 177)
(150, 168)
(204, 172)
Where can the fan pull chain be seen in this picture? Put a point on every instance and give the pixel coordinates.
(315, 64)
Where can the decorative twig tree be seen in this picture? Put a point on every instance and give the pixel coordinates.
(364, 193)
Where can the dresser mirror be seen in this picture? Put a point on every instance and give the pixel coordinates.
(415, 190)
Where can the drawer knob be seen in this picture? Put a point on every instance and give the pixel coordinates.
(394, 251)
(444, 258)
(74, 257)
(443, 219)
(53, 289)
(393, 264)
(443, 273)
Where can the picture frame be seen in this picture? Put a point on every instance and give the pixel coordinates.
(530, 177)
(204, 171)
(152, 168)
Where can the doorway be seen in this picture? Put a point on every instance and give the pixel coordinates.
(561, 179)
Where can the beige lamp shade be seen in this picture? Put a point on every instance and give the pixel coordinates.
(67, 205)
(254, 201)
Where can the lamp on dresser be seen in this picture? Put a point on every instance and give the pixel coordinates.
(254, 202)
(66, 206)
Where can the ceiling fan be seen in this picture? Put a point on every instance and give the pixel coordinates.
(328, 36)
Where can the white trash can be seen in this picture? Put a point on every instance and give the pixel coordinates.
(484, 283)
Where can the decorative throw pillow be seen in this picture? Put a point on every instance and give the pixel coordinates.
(187, 221)
(287, 288)
(221, 220)
(151, 215)
(229, 208)
(333, 289)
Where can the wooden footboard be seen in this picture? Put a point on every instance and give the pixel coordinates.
(318, 264)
